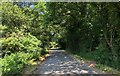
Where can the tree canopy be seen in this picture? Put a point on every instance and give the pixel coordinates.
(81, 28)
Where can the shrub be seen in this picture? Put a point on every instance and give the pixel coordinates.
(14, 63)
(102, 54)
(21, 43)
(18, 49)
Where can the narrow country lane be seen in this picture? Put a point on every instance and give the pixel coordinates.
(61, 63)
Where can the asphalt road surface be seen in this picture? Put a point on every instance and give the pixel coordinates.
(61, 63)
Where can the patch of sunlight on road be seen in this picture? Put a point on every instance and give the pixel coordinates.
(61, 63)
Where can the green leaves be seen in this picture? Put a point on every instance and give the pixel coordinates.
(12, 15)
(17, 29)
(17, 50)
(89, 27)
(14, 63)
(80, 26)
(25, 43)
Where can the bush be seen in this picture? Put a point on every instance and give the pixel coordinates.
(100, 53)
(21, 43)
(14, 63)
(104, 56)
(17, 50)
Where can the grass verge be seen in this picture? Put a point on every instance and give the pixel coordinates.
(88, 59)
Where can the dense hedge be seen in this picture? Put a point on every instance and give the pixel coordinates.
(14, 63)
(17, 51)
(20, 43)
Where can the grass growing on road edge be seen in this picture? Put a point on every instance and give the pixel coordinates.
(89, 60)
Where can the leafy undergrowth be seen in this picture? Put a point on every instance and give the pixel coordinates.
(34, 64)
(88, 59)
(18, 51)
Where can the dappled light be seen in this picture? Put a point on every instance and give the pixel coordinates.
(61, 63)
(59, 38)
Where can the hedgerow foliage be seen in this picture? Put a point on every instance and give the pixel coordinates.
(19, 41)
